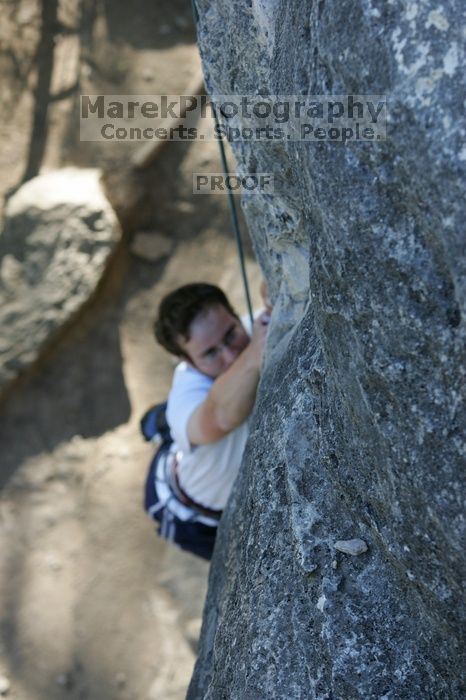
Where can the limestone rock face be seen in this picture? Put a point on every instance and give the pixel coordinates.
(339, 566)
(58, 235)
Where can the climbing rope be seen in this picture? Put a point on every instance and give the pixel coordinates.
(231, 199)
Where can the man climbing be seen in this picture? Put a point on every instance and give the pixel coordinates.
(212, 395)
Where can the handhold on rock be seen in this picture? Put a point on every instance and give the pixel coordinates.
(353, 547)
(4, 685)
(151, 246)
(65, 680)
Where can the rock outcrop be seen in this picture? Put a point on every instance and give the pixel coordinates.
(59, 233)
(339, 567)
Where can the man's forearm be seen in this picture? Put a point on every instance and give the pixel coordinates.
(231, 398)
(229, 402)
(232, 395)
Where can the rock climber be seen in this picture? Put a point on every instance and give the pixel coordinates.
(212, 395)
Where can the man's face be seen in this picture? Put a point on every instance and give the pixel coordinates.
(216, 339)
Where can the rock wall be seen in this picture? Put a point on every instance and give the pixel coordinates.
(359, 428)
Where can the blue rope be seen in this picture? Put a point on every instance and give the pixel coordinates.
(231, 199)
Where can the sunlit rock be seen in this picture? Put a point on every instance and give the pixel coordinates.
(59, 233)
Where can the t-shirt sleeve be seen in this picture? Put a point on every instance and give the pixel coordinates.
(189, 389)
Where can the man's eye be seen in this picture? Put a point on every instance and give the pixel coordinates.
(230, 336)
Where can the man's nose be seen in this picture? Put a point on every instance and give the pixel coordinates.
(229, 355)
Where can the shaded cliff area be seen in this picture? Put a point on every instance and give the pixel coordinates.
(359, 428)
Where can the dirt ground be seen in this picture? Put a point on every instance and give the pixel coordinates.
(93, 605)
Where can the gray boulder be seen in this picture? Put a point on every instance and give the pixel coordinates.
(339, 567)
(59, 233)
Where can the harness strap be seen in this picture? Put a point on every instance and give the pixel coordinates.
(183, 496)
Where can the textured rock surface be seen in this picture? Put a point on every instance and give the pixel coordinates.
(359, 431)
(58, 235)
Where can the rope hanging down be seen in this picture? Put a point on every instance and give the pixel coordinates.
(231, 199)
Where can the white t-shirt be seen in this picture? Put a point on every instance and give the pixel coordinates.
(205, 472)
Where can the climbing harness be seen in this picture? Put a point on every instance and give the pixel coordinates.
(181, 520)
(231, 199)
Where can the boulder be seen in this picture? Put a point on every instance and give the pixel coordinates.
(58, 236)
(339, 566)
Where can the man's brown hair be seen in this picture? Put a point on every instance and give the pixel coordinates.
(178, 310)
